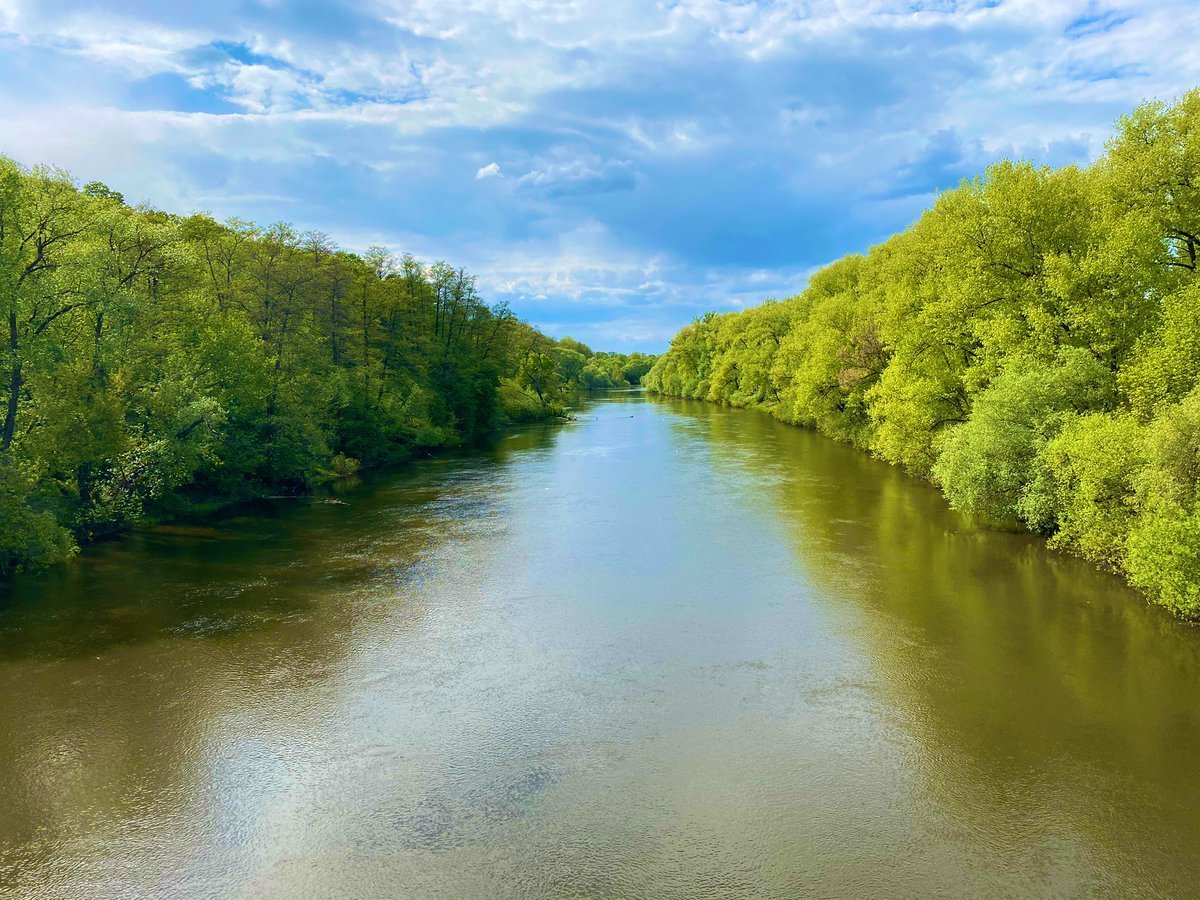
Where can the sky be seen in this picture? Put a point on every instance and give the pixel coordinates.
(612, 168)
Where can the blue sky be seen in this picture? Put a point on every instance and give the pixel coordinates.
(612, 168)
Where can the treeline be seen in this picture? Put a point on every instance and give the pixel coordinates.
(154, 364)
(584, 369)
(547, 378)
(1031, 345)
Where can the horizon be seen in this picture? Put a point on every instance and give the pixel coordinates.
(611, 175)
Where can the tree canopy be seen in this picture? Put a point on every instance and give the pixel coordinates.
(1031, 344)
(153, 364)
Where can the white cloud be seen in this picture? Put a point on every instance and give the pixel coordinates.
(577, 177)
(641, 129)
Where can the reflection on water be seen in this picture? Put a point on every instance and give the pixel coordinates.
(669, 650)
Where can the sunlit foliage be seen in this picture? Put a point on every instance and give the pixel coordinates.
(1031, 344)
(153, 364)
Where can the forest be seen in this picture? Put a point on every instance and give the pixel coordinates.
(155, 366)
(1031, 345)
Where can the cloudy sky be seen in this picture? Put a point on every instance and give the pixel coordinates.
(613, 168)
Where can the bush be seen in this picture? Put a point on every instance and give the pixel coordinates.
(1164, 559)
(1084, 488)
(987, 462)
(29, 538)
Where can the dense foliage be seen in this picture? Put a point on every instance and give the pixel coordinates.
(1031, 344)
(583, 369)
(153, 364)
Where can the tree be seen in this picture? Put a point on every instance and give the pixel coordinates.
(1031, 344)
(539, 373)
(153, 364)
(40, 215)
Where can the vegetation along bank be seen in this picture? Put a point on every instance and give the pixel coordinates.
(154, 365)
(1031, 345)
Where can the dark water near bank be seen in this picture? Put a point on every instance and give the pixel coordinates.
(670, 650)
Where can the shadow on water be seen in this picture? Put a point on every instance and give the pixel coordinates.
(125, 671)
(260, 564)
(1022, 674)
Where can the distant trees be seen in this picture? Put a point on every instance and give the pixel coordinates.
(152, 364)
(1031, 344)
(585, 369)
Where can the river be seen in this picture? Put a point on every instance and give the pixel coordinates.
(669, 650)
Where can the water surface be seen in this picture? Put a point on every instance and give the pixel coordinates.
(670, 650)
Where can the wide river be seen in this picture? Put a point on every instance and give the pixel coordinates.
(667, 651)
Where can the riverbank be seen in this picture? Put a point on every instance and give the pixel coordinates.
(159, 364)
(182, 511)
(1031, 345)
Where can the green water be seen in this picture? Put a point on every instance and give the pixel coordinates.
(670, 650)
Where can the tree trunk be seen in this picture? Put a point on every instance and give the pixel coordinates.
(15, 381)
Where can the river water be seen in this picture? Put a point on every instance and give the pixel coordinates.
(669, 650)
